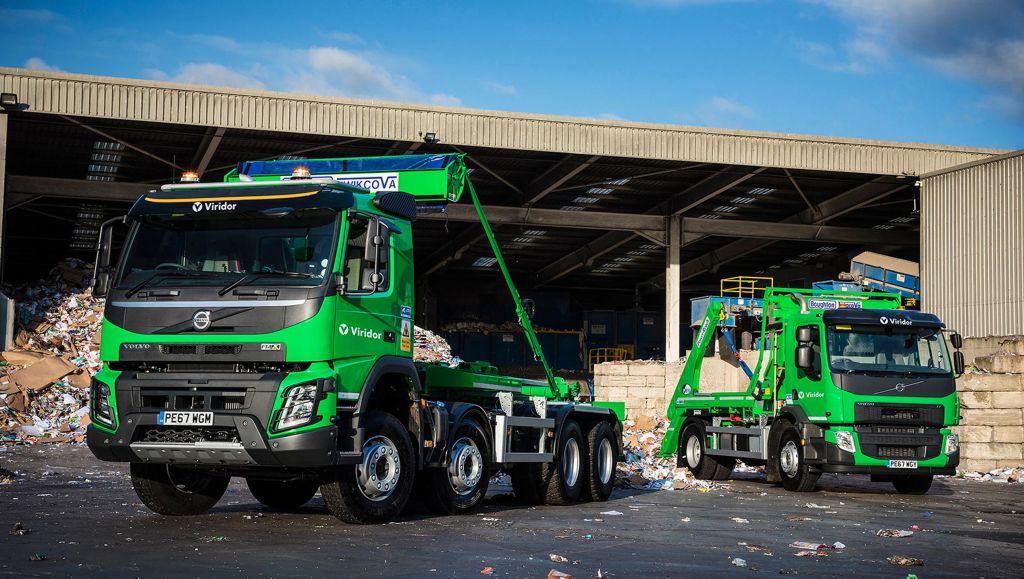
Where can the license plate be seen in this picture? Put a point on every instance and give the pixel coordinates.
(901, 464)
(185, 418)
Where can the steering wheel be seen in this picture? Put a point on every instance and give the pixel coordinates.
(168, 264)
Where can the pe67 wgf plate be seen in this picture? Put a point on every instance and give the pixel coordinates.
(901, 464)
(185, 418)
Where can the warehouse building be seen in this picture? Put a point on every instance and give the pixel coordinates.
(595, 215)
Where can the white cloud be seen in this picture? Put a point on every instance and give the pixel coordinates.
(500, 88)
(609, 117)
(213, 74)
(333, 70)
(344, 37)
(13, 16)
(445, 100)
(720, 111)
(979, 40)
(36, 63)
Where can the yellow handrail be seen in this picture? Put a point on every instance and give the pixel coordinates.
(744, 286)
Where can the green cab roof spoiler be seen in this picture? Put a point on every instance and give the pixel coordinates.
(437, 178)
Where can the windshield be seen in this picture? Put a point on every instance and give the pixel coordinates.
(219, 249)
(887, 349)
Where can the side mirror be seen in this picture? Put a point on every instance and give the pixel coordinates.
(804, 357)
(958, 362)
(803, 334)
(956, 340)
(530, 306)
(102, 269)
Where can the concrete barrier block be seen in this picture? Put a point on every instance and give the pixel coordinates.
(980, 465)
(614, 393)
(1008, 434)
(1001, 363)
(976, 399)
(991, 451)
(646, 369)
(992, 417)
(975, 433)
(1014, 345)
(991, 383)
(1008, 400)
(607, 369)
(623, 381)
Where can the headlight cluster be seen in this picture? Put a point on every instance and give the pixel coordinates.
(844, 440)
(300, 403)
(100, 397)
(952, 443)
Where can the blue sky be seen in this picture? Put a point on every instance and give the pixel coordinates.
(937, 71)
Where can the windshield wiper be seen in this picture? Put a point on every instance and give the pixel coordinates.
(251, 277)
(146, 281)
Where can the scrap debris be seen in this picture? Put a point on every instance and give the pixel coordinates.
(1014, 475)
(901, 561)
(644, 469)
(430, 347)
(894, 533)
(44, 381)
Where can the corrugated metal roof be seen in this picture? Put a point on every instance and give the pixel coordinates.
(150, 101)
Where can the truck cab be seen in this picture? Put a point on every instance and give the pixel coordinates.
(845, 382)
(263, 328)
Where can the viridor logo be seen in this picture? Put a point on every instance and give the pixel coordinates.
(345, 330)
(213, 206)
(894, 321)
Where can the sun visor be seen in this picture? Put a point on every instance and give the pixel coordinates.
(232, 198)
(894, 318)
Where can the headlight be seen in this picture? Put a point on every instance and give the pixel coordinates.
(845, 441)
(299, 406)
(952, 443)
(101, 411)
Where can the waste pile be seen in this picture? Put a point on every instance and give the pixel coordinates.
(999, 475)
(44, 380)
(430, 347)
(643, 469)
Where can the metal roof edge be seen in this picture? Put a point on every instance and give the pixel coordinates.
(970, 164)
(497, 114)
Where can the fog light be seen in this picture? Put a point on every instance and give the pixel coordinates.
(845, 441)
(299, 406)
(952, 443)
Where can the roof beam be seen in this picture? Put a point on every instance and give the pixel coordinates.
(106, 135)
(555, 177)
(701, 191)
(796, 232)
(77, 188)
(490, 172)
(203, 156)
(452, 250)
(503, 215)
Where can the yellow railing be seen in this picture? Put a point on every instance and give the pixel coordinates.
(599, 355)
(745, 286)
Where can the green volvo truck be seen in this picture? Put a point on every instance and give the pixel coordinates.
(845, 382)
(263, 328)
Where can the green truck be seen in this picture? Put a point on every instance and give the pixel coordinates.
(263, 328)
(845, 382)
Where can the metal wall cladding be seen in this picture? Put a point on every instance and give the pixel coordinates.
(148, 101)
(972, 247)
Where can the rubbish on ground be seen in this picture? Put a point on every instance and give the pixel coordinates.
(817, 546)
(812, 553)
(999, 475)
(915, 527)
(644, 469)
(901, 561)
(740, 520)
(19, 529)
(817, 506)
(838, 545)
(556, 574)
(927, 514)
(557, 558)
(487, 571)
(986, 522)
(430, 347)
(685, 519)
(894, 533)
(37, 557)
(739, 562)
(754, 548)
(797, 518)
(611, 513)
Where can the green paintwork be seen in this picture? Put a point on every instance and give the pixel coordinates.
(833, 410)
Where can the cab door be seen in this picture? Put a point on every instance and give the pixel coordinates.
(807, 389)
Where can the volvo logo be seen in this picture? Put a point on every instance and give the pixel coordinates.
(201, 320)
(197, 207)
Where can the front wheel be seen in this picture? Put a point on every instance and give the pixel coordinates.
(375, 490)
(600, 464)
(171, 490)
(914, 484)
(282, 494)
(795, 472)
(461, 486)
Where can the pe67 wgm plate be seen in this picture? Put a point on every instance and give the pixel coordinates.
(185, 418)
(901, 464)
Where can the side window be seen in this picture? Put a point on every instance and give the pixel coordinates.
(367, 255)
(814, 372)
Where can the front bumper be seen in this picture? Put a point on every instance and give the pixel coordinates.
(838, 460)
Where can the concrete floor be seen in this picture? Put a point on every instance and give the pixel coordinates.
(84, 519)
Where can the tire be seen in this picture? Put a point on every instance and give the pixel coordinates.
(527, 485)
(794, 470)
(278, 494)
(376, 490)
(461, 487)
(564, 478)
(171, 490)
(599, 466)
(693, 452)
(913, 484)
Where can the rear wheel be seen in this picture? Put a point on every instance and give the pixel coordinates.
(599, 466)
(694, 452)
(794, 470)
(563, 478)
(914, 484)
(461, 486)
(375, 490)
(171, 490)
(277, 494)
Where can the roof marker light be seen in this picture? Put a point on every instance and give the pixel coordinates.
(189, 177)
(300, 173)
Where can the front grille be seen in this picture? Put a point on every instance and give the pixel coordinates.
(898, 414)
(897, 429)
(193, 398)
(897, 452)
(178, 349)
(222, 349)
(187, 434)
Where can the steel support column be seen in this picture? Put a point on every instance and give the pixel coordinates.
(3, 186)
(674, 236)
